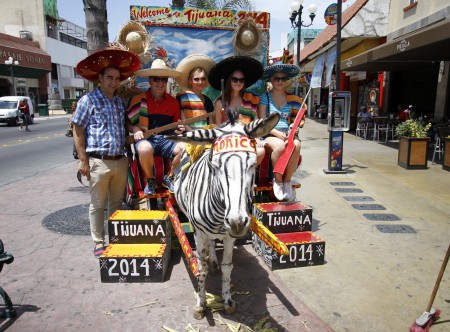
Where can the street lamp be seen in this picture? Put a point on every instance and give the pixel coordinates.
(296, 12)
(11, 62)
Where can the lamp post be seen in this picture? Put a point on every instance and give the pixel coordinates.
(296, 13)
(11, 62)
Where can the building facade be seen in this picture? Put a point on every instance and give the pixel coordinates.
(56, 44)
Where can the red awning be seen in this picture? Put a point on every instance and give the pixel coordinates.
(24, 51)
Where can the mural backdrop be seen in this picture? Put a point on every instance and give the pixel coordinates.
(179, 32)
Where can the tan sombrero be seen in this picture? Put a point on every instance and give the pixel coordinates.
(189, 63)
(247, 38)
(158, 68)
(126, 62)
(134, 37)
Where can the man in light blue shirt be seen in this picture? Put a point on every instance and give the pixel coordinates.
(99, 135)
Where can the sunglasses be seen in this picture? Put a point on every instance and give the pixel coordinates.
(237, 79)
(199, 79)
(280, 78)
(160, 79)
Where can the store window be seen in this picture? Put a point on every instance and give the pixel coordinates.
(410, 4)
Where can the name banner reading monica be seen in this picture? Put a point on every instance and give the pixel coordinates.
(232, 143)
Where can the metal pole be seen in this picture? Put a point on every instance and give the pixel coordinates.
(299, 35)
(12, 78)
(338, 45)
(339, 135)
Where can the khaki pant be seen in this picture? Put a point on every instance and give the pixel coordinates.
(108, 183)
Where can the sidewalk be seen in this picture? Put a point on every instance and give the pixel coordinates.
(372, 281)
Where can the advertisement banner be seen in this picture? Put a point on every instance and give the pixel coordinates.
(331, 57)
(316, 79)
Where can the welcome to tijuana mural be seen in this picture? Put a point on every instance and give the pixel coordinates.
(179, 32)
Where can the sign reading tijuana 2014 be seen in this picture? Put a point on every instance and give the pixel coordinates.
(223, 19)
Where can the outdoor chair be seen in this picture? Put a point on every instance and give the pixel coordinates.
(361, 128)
(441, 133)
(381, 126)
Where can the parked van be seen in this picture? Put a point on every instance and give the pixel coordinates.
(9, 109)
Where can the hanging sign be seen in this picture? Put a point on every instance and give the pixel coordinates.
(316, 79)
(330, 14)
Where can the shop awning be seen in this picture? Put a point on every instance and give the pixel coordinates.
(33, 62)
(415, 51)
(428, 44)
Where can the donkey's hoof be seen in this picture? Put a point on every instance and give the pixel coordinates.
(230, 309)
(199, 312)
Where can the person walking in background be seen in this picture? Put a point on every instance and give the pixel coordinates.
(149, 110)
(99, 135)
(193, 80)
(25, 109)
(288, 105)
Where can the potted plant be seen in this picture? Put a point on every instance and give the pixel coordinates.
(445, 136)
(412, 151)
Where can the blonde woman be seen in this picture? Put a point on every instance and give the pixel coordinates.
(288, 105)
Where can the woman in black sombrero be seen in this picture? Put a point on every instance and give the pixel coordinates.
(288, 105)
(238, 73)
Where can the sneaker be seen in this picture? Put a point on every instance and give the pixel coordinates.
(150, 188)
(27, 130)
(293, 197)
(167, 182)
(287, 188)
(20, 128)
(278, 190)
(99, 250)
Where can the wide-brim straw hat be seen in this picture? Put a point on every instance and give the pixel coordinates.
(126, 62)
(158, 68)
(289, 69)
(134, 37)
(189, 63)
(247, 38)
(252, 69)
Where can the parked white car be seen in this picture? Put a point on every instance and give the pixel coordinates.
(9, 109)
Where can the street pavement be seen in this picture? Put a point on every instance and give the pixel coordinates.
(378, 274)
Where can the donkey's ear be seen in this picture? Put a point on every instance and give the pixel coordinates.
(262, 127)
(200, 136)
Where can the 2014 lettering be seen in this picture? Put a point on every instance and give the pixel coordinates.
(302, 255)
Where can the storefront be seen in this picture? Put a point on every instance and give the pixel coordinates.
(416, 66)
(28, 75)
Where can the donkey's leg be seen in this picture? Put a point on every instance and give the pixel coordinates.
(201, 243)
(213, 262)
(227, 266)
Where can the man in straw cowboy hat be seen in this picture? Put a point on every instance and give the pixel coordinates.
(99, 134)
(152, 109)
(194, 71)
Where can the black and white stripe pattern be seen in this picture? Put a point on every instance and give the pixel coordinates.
(215, 193)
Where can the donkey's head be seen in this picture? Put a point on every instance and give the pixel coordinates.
(232, 160)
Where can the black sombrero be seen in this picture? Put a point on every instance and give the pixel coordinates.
(252, 69)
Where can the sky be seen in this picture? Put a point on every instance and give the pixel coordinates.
(119, 13)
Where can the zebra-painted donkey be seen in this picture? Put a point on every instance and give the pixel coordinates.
(215, 193)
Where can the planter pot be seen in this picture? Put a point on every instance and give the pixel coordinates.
(446, 162)
(412, 152)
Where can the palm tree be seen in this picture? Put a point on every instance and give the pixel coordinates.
(96, 25)
(218, 4)
(177, 3)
